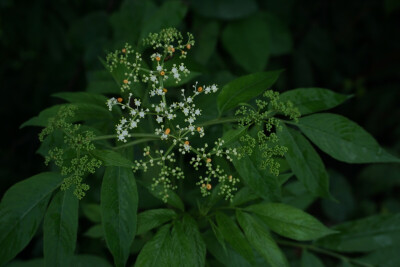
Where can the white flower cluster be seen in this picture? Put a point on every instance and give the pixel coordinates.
(164, 113)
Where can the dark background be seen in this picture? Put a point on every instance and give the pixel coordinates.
(351, 47)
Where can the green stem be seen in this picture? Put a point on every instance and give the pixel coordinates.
(111, 136)
(323, 251)
(220, 120)
(135, 142)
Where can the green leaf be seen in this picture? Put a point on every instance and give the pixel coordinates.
(244, 195)
(365, 235)
(226, 256)
(311, 100)
(234, 236)
(92, 212)
(224, 9)
(95, 231)
(245, 88)
(111, 158)
(21, 211)
(151, 219)
(85, 260)
(308, 259)
(60, 229)
(84, 112)
(343, 139)
(188, 246)
(296, 195)
(28, 263)
(82, 97)
(154, 252)
(169, 14)
(173, 198)
(206, 34)
(233, 135)
(280, 38)
(119, 202)
(305, 162)
(384, 257)
(290, 222)
(260, 240)
(247, 41)
(262, 182)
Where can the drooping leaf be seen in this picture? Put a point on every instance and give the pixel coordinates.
(365, 235)
(305, 162)
(311, 100)
(309, 259)
(343, 139)
(119, 203)
(225, 9)
(60, 229)
(244, 195)
(245, 88)
(151, 219)
(295, 194)
(234, 236)
(247, 42)
(290, 222)
(260, 240)
(21, 211)
(111, 158)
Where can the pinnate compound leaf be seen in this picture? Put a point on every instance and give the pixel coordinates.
(151, 219)
(365, 235)
(245, 88)
(305, 162)
(234, 236)
(60, 229)
(21, 211)
(290, 222)
(260, 240)
(119, 203)
(343, 139)
(311, 100)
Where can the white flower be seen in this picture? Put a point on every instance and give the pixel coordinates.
(159, 119)
(197, 112)
(170, 116)
(189, 99)
(153, 78)
(176, 75)
(133, 112)
(111, 102)
(137, 102)
(181, 67)
(133, 124)
(186, 111)
(174, 70)
(159, 68)
(141, 114)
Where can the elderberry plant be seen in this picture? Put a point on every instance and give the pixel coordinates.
(223, 162)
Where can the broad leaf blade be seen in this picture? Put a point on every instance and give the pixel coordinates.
(309, 259)
(245, 88)
(343, 139)
(305, 162)
(365, 235)
(151, 219)
(60, 229)
(260, 239)
(290, 222)
(152, 252)
(311, 100)
(111, 158)
(21, 211)
(234, 236)
(119, 202)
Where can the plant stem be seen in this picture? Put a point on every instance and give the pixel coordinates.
(111, 136)
(323, 251)
(220, 120)
(135, 142)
